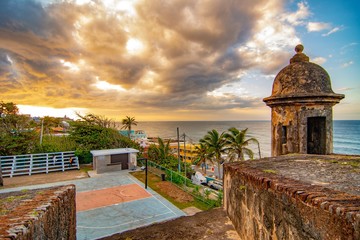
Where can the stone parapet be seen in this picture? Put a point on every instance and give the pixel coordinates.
(294, 197)
(38, 214)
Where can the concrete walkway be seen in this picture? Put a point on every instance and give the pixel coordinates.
(126, 204)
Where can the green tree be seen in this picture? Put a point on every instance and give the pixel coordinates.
(88, 137)
(162, 155)
(53, 143)
(17, 143)
(201, 152)
(16, 134)
(161, 152)
(128, 122)
(8, 108)
(94, 119)
(50, 122)
(238, 143)
(216, 144)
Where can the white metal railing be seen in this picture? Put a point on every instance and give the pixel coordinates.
(38, 163)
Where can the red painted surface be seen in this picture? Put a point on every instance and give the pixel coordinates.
(109, 196)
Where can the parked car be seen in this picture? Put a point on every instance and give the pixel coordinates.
(198, 179)
(217, 185)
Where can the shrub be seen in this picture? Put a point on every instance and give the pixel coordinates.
(84, 155)
(55, 144)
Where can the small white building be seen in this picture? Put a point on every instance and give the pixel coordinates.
(114, 159)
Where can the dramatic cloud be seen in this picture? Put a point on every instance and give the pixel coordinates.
(151, 55)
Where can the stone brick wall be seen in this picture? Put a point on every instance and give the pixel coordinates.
(39, 214)
(264, 204)
(295, 117)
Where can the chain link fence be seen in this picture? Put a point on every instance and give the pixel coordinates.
(205, 194)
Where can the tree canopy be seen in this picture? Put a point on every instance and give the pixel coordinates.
(91, 136)
(8, 108)
(128, 122)
(216, 144)
(94, 119)
(229, 146)
(238, 144)
(16, 134)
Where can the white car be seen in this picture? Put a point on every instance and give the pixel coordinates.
(198, 179)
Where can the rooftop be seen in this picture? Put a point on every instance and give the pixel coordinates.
(113, 151)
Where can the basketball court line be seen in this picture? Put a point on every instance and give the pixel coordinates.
(125, 223)
(109, 196)
(122, 215)
(153, 194)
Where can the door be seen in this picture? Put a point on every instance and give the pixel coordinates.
(121, 158)
(316, 135)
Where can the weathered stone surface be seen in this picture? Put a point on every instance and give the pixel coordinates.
(294, 197)
(302, 79)
(39, 214)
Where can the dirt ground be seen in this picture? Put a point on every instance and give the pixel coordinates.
(212, 225)
(174, 192)
(19, 181)
(166, 187)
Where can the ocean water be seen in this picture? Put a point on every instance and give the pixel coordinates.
(346, 133)
(347, 136)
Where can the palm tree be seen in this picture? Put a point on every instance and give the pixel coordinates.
(238, 144)
(161, 152)
(93, 119)
(216, 144)
(201, 154)
(128, 122)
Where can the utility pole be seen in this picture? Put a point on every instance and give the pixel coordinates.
(259, 150)
(41, 131)
(146, 173)
(185, 154)
(178, 140)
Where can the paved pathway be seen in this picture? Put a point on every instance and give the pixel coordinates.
(114, 202)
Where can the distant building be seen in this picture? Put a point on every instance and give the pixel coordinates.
(134, 134)
(37, 119)
(301, 108)
(187, 152)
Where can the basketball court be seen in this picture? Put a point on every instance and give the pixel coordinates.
(114, 202)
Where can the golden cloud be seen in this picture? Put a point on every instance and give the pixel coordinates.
(163, 55)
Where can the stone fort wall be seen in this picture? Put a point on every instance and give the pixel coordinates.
(293, 198)
(38, 214)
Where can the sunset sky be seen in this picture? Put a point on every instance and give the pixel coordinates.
(170, 59)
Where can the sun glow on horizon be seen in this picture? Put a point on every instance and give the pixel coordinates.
(36, 111)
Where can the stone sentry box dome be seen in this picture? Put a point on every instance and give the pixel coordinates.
(301, 108)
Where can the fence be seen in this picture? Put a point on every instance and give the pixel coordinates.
(204, 194)
(38, 163)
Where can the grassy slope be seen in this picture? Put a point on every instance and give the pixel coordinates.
(152, 183)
